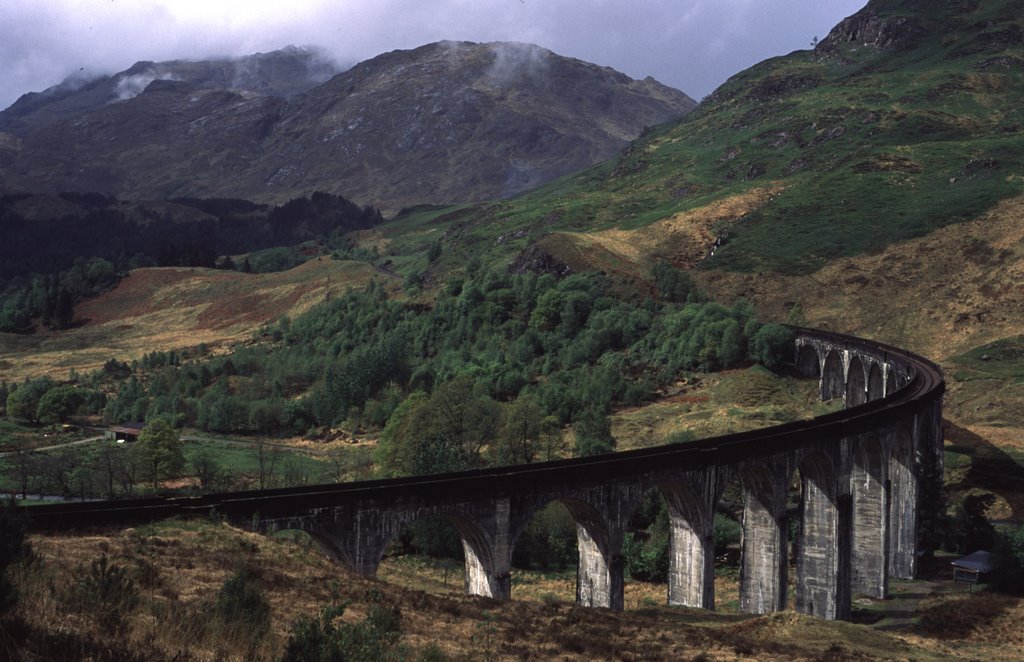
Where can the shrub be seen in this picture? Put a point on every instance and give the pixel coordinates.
(727, 531)
(241, 602)
(772, 346)
(106, 593)
(328, 639)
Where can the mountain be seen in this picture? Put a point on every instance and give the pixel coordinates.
(282, 73)
(447, 122)
(906, 119)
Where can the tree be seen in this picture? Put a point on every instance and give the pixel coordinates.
(160, 449)
(22, 467)
(593, 432)
(772, 346)
(23, 401)
(465, 419)
(521, 438)
(673, 284)
(64, 311)
(267, 456)
(58, 404)
(207, 469)
(1009, 560)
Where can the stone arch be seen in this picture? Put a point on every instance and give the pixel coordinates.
(869, 553)
(890, 382)
(902, 490)
(833, 383)
(599, 573)
(329, 545)
(876, 386)
(481, 577)
(763, 563)
(856, 385)
(808, 363)
(691, 572)
(818, 588)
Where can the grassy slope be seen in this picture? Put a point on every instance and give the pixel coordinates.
(181, 565)
(859, 145)
(169, 308)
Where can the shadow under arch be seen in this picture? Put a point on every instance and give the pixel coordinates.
(596, 584)
(833, 382)
(325, 542)
(808, 363)
(876, 385)
(856, 383)
(481, 576)
(689, 574)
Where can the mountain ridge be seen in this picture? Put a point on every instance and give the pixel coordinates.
(446, 122)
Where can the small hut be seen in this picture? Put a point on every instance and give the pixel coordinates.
(970, 568)
(126, 432)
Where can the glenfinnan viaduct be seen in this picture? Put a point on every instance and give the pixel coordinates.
(870, 478)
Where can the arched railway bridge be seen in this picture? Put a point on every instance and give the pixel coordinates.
(870, 477)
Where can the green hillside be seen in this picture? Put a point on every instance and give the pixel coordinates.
(908, 117)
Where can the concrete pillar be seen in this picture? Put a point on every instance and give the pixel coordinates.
(502, 550)
(691, 570)
(890, 382)
(903, 494)
(763, 566)
(870, 544)
(817, 563)
(595, 584)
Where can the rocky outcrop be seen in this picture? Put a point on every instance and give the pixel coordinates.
(870, 28)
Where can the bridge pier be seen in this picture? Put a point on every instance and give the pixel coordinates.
(764, 566)
(819, 577)
(691, 570)
(869, 487)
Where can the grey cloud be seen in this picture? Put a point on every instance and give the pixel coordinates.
(693, 45)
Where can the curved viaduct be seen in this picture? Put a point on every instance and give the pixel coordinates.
(870, 478)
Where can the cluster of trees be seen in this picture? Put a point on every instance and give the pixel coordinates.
(491, 373)
(104, 470)
(48, 264)
(42, 400)
(51, 298)
(521, 355)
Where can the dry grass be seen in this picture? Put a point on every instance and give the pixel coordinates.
(683, 239)
(715, 404)
(174, 308)
(941, 294)
(181, 566)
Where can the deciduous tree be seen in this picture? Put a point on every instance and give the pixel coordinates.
(161, 450)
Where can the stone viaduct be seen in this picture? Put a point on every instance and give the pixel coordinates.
(869, 480)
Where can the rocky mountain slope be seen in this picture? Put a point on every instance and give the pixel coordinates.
(282, 73)
(447, 122)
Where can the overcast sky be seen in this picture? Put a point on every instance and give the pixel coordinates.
(693, 45)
